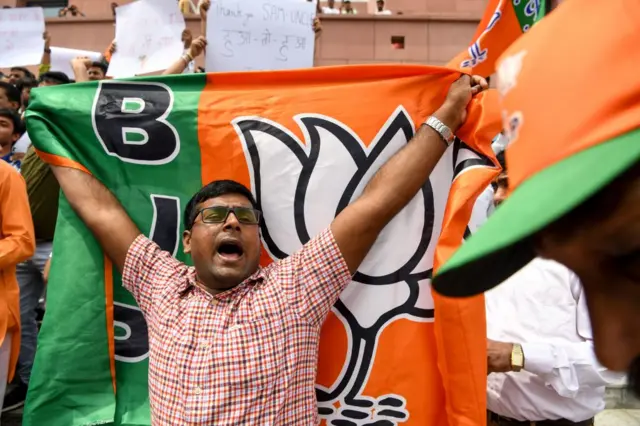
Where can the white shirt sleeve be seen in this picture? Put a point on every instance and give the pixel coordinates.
(568, 367)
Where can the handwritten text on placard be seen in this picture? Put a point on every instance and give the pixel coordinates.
(260, 35)
(21, 41)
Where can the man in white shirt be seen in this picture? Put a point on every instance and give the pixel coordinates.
(330, 8)
(380, 10)
(540, 350)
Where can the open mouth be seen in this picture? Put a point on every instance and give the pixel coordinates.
(230, 250)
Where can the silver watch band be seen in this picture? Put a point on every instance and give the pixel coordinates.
(443, 130)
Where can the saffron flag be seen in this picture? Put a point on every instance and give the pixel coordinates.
(306, 142)
(502, 23)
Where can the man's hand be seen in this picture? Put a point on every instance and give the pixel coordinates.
(499, 356)
(204, 8)
(197, 47)
(187, 38)
(112, 48)
(47, 40)
(82, 60)
(453, 112)
(317, 26)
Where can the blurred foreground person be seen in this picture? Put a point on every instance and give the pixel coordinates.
(17, 243)
(539, 314)
(574, 171)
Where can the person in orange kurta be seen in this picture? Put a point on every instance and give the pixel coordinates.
(17, 243)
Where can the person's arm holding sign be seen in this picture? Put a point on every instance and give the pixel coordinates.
(204, 9)
(80, 66)
(197, 47)
(45, 63)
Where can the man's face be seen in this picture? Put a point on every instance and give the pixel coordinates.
(500, 187)
(380, 5)
(26, 95)
(7, 136)
(331, 3)
(5, 102)
(600, 242)
(224, 254)
(95, 73)
(15, 76)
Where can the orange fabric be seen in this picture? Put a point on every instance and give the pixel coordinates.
(495, 40)
(461, 369)
(61, 161)
(411, 357)
(17, 243)
(590, 93)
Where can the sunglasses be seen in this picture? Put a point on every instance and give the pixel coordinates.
(219, 214)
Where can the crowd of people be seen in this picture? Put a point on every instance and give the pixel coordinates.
(561, 272)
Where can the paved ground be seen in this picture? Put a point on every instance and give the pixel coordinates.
(617, 418)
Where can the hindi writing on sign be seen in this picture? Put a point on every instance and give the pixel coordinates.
(148, 37)
(21, 36)
(246, 35)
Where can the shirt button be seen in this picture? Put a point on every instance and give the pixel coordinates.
(205, 345)
(197, 390)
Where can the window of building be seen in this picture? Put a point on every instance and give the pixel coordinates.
(50, 7)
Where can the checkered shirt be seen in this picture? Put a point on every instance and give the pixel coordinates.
(247, 356)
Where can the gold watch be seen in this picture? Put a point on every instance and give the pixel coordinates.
(517, 358)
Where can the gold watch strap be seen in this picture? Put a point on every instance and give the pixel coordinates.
(517, 357)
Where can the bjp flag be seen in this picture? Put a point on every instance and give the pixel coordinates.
(306, 142)
(502, 23)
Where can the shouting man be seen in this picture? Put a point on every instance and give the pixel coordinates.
(231, 343)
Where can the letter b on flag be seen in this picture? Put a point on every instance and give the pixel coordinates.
(129, 120)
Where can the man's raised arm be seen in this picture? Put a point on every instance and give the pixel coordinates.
(356, 228)
(99, 209)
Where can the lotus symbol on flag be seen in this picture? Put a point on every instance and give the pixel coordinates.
(301, 186)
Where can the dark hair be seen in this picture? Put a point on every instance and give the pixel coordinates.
(56, 77)
(213, 190)
(99, 64)
(26, 72)
(12, 92)
(500, 158)
(26, 82)
(18, 126)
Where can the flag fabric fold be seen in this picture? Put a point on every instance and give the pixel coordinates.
(502, 23)
(306, 142)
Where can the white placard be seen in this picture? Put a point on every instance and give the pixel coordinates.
(21, 36)
(148, 37)
(61, 59)
(245, 35)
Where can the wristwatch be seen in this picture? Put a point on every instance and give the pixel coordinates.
(517, 357)
(443, 130)
(46, 50)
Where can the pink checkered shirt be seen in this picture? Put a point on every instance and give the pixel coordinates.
(247, 356)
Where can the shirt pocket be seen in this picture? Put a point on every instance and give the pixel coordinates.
(253, 354)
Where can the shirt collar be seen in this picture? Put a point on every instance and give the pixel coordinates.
(192, 284)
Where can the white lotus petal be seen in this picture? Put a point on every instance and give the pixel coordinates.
(279, 173)
(369, 302)
(333, 171)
